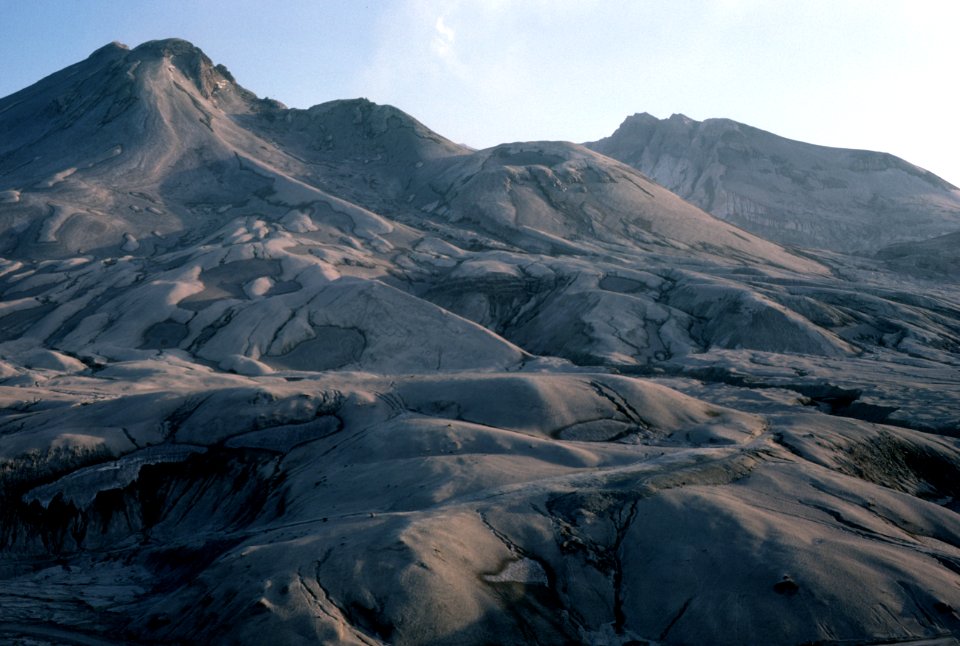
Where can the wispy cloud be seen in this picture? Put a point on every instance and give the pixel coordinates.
(443, 38)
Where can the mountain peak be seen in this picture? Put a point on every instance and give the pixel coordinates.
(784, 190)
(639, 117)
(169, 47)
(186, 57)
(111, 48)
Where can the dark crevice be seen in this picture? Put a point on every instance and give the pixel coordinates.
(676, 618)
(622, 524)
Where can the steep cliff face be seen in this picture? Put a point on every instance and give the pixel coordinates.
(788, 191)
(324, 376)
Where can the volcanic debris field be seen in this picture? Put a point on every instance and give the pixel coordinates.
(281, 376)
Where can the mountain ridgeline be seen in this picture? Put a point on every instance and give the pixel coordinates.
(788, 191)
(324, 375)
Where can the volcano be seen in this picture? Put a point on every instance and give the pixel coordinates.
(788, 191)
(288, 376)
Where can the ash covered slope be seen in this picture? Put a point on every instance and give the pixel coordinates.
(788, 191)
(937, 259)
(331, 374)
(156, 141)
(215, 211)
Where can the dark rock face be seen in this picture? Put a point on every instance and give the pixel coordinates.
(323, 376)
(788, 191)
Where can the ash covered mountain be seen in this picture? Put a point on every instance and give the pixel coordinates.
(325, 375)
(788, 191)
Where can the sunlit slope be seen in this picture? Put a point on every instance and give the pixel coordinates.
(784, 190)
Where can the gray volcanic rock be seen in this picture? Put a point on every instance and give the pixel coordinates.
(937, 258)
(298, 376)
(784, 190)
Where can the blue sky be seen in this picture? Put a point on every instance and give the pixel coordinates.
(875, 74)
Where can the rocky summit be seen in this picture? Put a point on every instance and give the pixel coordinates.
(788, 191)
(281, 376)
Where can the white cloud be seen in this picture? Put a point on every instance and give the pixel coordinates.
(497, 70)
(443, 38)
